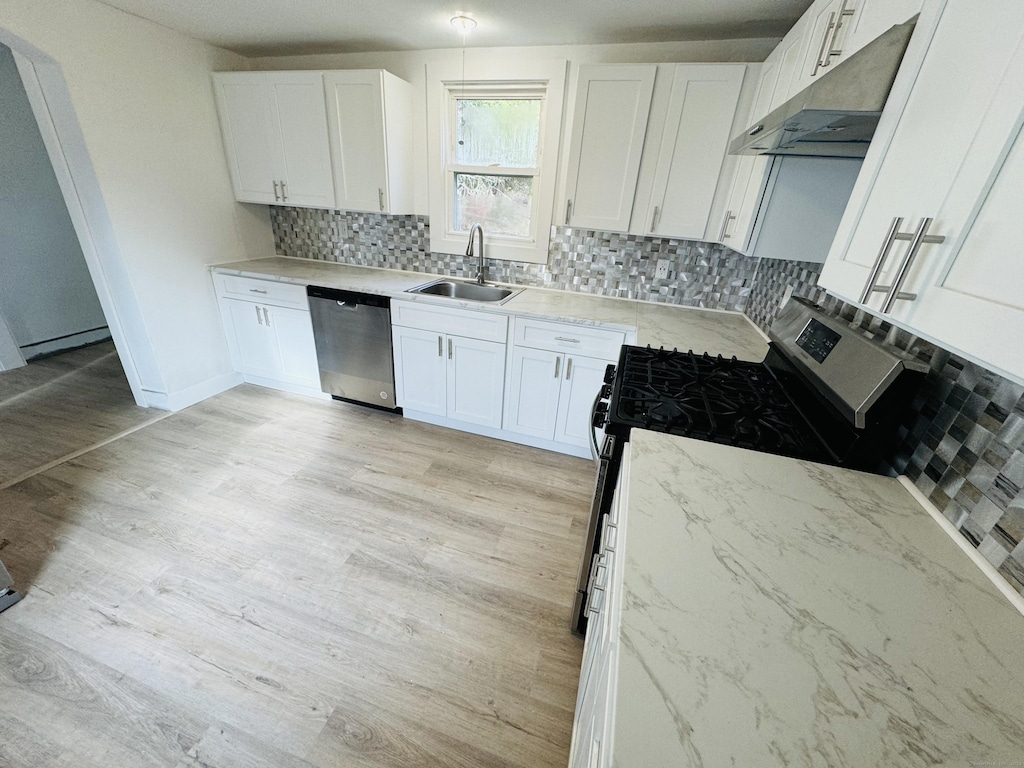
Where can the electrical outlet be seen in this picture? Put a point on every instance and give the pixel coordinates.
(661, 271)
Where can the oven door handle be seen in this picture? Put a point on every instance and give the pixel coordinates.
(594, 449)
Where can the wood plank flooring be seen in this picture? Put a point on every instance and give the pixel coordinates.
(58, 405)
(267, 580)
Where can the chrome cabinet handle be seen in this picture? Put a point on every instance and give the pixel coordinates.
(567, 340)
(256, 290)
(558, 365)
(883, 253)
(449, 349)
(276, 196)
(440, 346)
(654, 218)
(284, 194)
(725, 225)
(568, 369)
(916, 239)
(568, 211)
(380, 198)
(919, 237)
(258, 318)
(266, 316)
(826, 44)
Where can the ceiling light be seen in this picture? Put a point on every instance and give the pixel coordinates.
(463, 23)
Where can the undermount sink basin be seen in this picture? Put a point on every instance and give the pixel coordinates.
(456, 289)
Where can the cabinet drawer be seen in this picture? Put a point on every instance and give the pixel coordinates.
(261, 291)
(467, 323)
(559, 337)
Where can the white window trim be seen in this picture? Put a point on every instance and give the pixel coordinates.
(440, 76)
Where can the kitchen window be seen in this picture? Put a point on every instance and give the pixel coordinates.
(494, 143)
(493, 159)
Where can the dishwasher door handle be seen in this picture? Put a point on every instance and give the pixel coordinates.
(349, 305)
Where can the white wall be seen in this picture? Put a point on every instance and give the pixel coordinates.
(411, 66)
(143, 99)
(45, 288)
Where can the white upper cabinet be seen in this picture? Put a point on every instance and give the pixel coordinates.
(369, 114)
(737, 222)
(693, 148)
(609, 125)
(274, 126)
(945, 163)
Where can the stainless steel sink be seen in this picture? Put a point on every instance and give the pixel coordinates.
(457, 289)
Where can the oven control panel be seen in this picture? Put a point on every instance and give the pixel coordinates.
(817, 340)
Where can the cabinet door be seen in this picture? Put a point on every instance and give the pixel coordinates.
(535, 379)
(253, 346)
(974, 300)
(476, 381)
(299, 126)
(355, 114)
(791, 52)
(734, 229)
(245, 126)
(583, 379)
(293, 333)
(609, 124)
(420, 370)
(915, 171)
(697, 133)
(872, 18)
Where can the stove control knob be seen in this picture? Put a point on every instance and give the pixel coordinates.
(600, 415)
(609, 374)
(606, 391)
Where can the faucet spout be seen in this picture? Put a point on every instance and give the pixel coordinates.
(478, 232)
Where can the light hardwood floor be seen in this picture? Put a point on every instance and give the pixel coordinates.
(267, 580)
(58, 405)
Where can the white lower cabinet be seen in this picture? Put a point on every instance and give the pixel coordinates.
(593, 724)
(271, 345)
(551, 391)
(446, 374)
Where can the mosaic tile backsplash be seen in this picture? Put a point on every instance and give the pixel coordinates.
(601, 263)
(961, 443)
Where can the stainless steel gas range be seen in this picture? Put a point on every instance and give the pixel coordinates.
(824, 393)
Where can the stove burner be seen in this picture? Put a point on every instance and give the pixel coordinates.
(724, 400)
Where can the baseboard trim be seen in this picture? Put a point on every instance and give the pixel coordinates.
(183, 398)
(296, 389)
(42, 349)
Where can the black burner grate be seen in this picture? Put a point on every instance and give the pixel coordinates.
(723, 400)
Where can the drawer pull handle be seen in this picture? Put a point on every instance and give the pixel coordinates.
(567, 340)
(256, 290)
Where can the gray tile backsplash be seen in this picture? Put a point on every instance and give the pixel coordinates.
(601, 263)
(961, 443)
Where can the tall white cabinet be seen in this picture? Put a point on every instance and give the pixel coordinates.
(930, 236)
(369, 114)
(274, 126)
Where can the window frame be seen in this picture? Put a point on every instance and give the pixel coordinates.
(446, 84)
(491, 91)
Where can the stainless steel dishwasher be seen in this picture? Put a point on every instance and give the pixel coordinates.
(353, 345)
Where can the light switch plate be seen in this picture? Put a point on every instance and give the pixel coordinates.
(661, 270)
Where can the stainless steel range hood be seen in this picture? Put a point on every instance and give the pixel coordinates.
(837, 114)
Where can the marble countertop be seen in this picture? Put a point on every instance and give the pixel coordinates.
(783, 613)
(702, 330)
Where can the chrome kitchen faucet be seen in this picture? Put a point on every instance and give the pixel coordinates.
(469, 251)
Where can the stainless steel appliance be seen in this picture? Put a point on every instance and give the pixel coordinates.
(8, 596)
(836, 116)
(353, 345)
(824, 393)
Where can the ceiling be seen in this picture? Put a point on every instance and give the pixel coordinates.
(289, 27)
